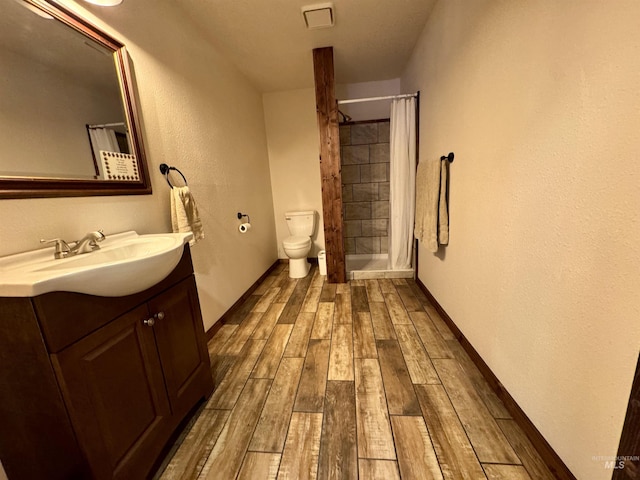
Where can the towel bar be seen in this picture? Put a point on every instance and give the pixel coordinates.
(448, 157)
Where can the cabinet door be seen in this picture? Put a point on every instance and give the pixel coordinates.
(113, 387)
(182, 345)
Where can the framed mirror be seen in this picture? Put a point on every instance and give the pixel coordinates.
(69, 124)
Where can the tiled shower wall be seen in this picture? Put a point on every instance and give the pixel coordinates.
(364, 153)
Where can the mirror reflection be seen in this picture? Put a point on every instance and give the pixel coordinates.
(62, 112)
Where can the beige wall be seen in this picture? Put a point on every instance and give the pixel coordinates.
(540, 101)
(294, 147)
(200, 115)
(294, 142)
(375, 110)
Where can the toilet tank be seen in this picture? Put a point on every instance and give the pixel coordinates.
(301, 223)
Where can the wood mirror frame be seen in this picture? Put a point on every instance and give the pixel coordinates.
(32, 187)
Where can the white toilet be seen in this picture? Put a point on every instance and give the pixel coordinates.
(301, 226)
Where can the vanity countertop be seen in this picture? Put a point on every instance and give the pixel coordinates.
(126, 263)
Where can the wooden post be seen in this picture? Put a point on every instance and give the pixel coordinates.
(331, 178)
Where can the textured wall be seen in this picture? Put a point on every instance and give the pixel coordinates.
(294, 147)
(367, 110)
(292, 132)
(199, 114)
(540, 101)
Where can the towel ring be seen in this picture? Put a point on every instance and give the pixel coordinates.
(165, 169)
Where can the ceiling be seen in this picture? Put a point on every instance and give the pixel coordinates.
(268, 41)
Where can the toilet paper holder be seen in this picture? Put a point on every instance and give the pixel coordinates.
(240, 215)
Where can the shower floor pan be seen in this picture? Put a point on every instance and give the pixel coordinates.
(363, 267)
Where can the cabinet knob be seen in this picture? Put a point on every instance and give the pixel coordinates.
(149, 322)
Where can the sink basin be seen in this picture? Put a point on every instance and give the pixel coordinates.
(126, 263)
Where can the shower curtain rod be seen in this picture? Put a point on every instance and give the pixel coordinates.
(117, 124)
(372, 99)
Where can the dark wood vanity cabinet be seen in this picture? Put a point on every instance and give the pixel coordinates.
(113, 387)
(119, 389)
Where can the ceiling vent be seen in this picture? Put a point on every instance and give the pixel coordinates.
(318, 16)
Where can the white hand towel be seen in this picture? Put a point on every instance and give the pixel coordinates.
(184, 214)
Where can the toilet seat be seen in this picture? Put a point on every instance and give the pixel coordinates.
(296, 241)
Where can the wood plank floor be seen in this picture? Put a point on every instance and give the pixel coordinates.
(356, 380)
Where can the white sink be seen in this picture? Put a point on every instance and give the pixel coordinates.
(126, 263)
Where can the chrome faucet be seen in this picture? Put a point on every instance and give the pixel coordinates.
(86, 244)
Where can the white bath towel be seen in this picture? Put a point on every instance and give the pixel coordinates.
(443, 208)
(432, 222)
(184, 214)
(419, 230)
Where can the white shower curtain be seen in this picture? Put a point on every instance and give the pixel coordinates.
(102, 139)
(402, 182)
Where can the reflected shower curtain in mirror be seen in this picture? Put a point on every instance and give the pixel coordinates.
(402, 182)
(102, 139)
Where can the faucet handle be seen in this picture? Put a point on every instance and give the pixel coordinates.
(62, 248)
(60, 243)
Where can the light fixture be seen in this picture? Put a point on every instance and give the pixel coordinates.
(319, 15)
(105, 3)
